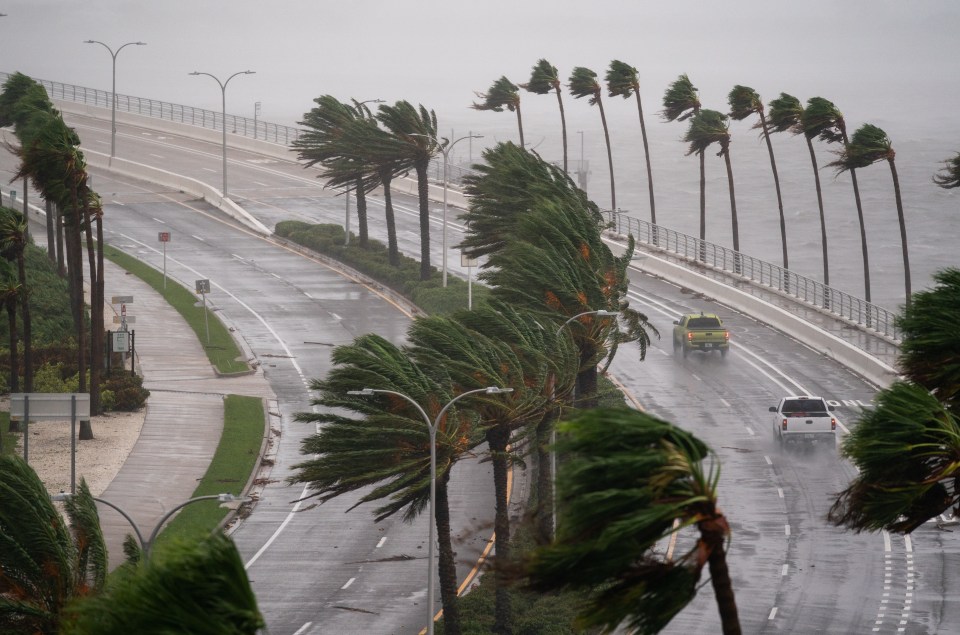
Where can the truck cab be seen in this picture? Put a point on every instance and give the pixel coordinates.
(700, 332)
(804, 418)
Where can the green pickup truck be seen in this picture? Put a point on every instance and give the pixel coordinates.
(700, 332)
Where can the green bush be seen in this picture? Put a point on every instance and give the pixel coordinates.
(126, 390)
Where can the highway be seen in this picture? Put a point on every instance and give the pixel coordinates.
(318, 570)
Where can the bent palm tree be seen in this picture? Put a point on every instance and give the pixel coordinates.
(822, 118)
(680, 102)
(388, 448)
(623, 80)
(416, 128)
(949, 176)
(502, 94)
(786, 114)
(543, 79)
(745, 101)
(629, 478)
(45, 563)
(583, 83)
(869, 145)
(708, 127)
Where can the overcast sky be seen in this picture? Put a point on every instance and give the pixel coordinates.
(879, 60)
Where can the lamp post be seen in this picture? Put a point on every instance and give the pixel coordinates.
(445, 150)
(553, 431)
(346, 223)
(113, 100)
(581, 177)
(147, 544)
(432, 427)
(223, 93)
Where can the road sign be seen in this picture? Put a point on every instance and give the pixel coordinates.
(121, 342)
(126, 319)
(163, 237)
(121, 299)
(466, 261)
(203, 286)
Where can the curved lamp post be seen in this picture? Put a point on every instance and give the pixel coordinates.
(553, 431)
(432, 427)
(113, 116)
(223, 93)
(148, 543)
(445, 150)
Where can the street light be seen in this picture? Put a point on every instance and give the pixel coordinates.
(432, 427)
(223, 92)
(553, 430)
(113, 116)
(346, 224)
(147, 544)
(445, 150)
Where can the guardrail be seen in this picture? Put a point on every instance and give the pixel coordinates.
(692, 251)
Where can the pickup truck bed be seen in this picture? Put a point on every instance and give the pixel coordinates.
(803, 418)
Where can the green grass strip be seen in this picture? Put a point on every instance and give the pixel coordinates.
(235, 459)
(221, 348)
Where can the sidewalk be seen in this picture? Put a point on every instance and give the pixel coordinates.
(184, 413)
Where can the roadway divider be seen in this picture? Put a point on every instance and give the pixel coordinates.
(861, 362)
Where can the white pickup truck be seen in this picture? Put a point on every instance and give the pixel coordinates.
(804, 418)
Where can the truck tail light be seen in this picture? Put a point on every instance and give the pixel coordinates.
(726, 335)
(690, 336)
(783, 424)
(833, 424)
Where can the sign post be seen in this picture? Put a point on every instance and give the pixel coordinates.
(164, 237)
(25, 406)
(203, 288)
(469, 263)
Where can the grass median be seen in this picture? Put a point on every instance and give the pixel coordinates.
(220, 347)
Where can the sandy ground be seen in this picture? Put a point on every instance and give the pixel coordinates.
(98, 460)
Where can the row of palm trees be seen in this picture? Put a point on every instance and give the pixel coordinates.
(820, 118)
(50, 157)
(540, 336)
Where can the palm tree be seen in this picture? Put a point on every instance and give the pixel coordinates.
(950, 173)
(321, 142)
(869, 145)
(417, 129)
(786, 114)
(13, 243)
(583, 83)
(195, 587)
(822, 118)
(387, 449)
(708, 127)
(9, 294)
(680, 102)
(628, 480)
(45, 563)
(543, 79)
(623, 80)
(502, 94)
(745, 101)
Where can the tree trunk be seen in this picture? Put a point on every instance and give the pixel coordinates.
(361, 214)
(520, 125)
(703, 207)
(25, 319)
(423, 191)
(446, 560)
(606, 135)
(563, 127)
(11, 305)
(776, 184)
(498, 436)
(713, 533)
(646, 154)
(586, 395)
(58, 229)
(733, 211)
(863, 227)
(903, 229)
(26, 208)
(823, 218)
(393, 252)
(51, 234)
(545, 502)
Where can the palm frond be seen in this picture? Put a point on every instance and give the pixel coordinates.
(786, 114)
(744, 101)
(949, 176)
(821, 118)
(706, 128)
(583, 83)
(502, 94)
(623, 80)
(868, 145)
(544, 78)
(680, 101)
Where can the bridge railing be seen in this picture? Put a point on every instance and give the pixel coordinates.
(693, 252)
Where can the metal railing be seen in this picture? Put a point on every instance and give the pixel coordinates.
(696, 253)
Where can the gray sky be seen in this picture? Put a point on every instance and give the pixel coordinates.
(868, 56)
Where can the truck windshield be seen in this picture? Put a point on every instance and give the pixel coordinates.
(807, 406)
(703, 323)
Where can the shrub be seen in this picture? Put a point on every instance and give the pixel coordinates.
(126, 391)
